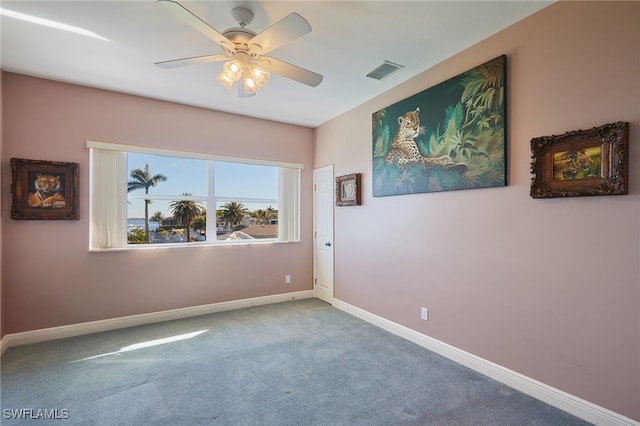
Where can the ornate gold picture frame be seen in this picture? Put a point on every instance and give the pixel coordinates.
(581, 163)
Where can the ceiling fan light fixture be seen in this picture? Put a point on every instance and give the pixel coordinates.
(233, 70)
(225, 81)
(260, 75)
(254, 78)
(250, 86)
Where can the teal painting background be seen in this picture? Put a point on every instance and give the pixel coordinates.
(463, 117)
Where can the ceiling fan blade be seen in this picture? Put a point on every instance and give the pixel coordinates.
(285, 30)
(182, 13)
(287, 70)
(206, 59)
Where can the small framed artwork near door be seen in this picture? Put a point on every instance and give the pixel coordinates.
(348, 190)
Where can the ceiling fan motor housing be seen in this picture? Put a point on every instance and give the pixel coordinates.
(239, 36)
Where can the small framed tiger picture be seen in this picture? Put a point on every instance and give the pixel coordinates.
(44, 190)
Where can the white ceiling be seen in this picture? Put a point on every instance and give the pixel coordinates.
(348, 40)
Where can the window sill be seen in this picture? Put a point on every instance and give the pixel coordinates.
(138, 247)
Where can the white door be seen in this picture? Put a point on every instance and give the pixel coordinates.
(323, 233)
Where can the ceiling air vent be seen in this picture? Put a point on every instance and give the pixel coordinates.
(384, 70)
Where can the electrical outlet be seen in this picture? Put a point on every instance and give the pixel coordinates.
(424, 314)
(287, 279)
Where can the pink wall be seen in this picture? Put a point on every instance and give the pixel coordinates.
(548, 288)
(50, 278)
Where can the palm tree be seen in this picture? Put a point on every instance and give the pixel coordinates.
(200, 222)
(233, 213)
(219, 218)
(143, 179)
(271, 213)
(185, 211)
(260, 216)
(157, 217)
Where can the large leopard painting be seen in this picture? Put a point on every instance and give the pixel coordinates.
(448, 137)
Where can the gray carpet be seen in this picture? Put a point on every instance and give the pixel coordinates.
(294, 363)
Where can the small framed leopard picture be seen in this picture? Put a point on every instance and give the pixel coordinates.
(44, 190)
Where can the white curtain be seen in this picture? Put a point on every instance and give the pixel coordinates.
(108, 198)
(288, 204)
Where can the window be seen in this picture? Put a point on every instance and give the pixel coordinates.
(143, 197)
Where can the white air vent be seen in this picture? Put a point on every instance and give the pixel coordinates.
(384, 70)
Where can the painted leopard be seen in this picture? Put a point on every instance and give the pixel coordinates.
(404, 150)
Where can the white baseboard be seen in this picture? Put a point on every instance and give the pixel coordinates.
(72, 330)
(4, 344)
(552, 396)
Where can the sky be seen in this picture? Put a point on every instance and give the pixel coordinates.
(190, 175)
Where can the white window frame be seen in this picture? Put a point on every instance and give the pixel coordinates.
(108, 197)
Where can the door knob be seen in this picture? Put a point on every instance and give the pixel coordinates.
(327, 244)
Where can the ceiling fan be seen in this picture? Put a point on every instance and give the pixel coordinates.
(244, 49)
